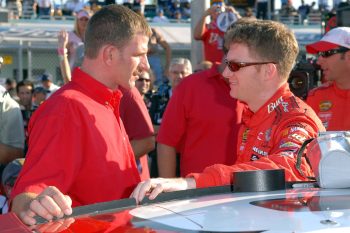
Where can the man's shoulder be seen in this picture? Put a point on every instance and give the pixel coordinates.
(321, 90)
(199, 78)
(66, 95)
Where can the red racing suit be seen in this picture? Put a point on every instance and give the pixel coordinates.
(269, 139)
(330, 104)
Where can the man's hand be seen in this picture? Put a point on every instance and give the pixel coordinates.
(48, 204)
(153, 187)
(233, 10)
(212, 10)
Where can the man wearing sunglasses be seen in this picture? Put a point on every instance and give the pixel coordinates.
(331, 101)
(275, 124)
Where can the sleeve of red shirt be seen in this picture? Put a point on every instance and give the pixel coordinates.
(46, 163)
(280, 157)
(173, 124)
(134, 114)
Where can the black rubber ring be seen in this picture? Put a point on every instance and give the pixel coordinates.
(259, 180)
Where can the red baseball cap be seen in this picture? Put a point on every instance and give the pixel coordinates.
(336, 37)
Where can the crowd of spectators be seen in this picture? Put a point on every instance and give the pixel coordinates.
(162, 11)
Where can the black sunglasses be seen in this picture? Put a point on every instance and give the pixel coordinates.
(332, 52)
(235, 66)
(144, 79)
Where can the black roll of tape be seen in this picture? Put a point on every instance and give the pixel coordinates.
(259, 180)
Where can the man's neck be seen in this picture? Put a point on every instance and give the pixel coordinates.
(261, 98)
(343, 84)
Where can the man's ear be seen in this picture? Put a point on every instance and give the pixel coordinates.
(270, 71)
(109, 53)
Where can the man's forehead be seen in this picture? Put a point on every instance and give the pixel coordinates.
(25, 87)
(178, 67)
(237, 50)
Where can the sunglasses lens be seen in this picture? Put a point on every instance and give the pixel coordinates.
(332, 52)
(143, 79)
(233, 66)
(327, 54)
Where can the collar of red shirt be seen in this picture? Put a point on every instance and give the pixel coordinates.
(344, 93)
(95, 89)
(251, 119)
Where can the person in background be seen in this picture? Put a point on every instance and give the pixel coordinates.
(85, 156)
(10, 85)
(25, 89)
(248, 12)
(200, 123)
(179, 69)
(138, 126)
(261, 54)
(11, 130)
(160, 17)
(177, 16)
(39, 96)
(44, 8)
(47, 83)
(72, 47)
(154, 57)
(11, 137)
(261, 7)
(303, 10)
(139, 6)
(331, 101)
(210, 34)
(145, 86)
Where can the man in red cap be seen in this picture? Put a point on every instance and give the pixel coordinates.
(331, 100)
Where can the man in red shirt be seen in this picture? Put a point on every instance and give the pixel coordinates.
(210, 34)
(138, 126)
(331, 101)
(201, 122)
(260, 57)
(79, 152)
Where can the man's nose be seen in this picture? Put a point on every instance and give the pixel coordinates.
(227, 73)
(144, 63)
(320, 60)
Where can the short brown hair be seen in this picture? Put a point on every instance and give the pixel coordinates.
(115, 25)
(267, 40)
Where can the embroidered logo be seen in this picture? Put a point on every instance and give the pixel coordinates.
(285, 106)
(298, 137)
(325, 105)
(288, 144)
(260, 152)
(245, 135)
(273, 105)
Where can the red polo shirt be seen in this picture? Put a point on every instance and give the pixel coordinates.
(78, 143)
(202, 121)
(137, 122)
